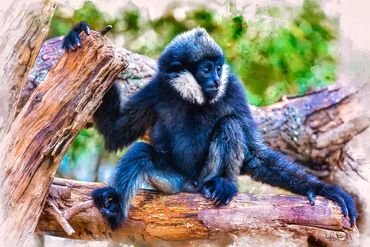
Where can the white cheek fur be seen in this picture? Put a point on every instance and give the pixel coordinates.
(188, 88)
(223, 84)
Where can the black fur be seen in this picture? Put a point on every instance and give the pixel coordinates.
(108, 201)
(202, 135)
(73, 39)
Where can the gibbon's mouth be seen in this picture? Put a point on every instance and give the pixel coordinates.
(211, 92)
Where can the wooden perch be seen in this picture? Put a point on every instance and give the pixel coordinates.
(69, 212)
(36, 141)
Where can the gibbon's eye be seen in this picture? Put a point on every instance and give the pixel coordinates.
(218, 69)
(175, 67)
(207, 68)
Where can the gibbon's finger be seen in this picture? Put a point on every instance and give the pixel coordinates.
(64, 46)
(213, 195)
(75, 39)
(311, 197)
(351, 206)
(66, 42)
(227, 201)
(338, 199)
(219, 203)
(206, 193)
(70, 47)
(85, 27)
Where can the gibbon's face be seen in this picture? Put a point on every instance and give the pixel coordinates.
(194, 66)
(202, 82)
(208, 75)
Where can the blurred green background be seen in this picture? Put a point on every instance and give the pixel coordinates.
(282, 50)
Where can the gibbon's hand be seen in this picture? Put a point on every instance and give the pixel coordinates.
(107, 201)
(72, 39)
(220, 190)
(338, 195)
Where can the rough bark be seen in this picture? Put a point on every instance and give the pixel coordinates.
(25, 25)
(38, 137)
(153, 219)
(139, 71)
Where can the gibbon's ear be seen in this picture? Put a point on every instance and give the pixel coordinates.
(175, 67)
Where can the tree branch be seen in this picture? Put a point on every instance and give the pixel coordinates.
(155, 218)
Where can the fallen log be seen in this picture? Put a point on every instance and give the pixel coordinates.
(154, 218)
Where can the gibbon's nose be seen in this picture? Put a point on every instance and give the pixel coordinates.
(216, 79)
(212, 85)
(217, 83)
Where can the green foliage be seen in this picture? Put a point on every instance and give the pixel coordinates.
(270, 58)
(86, 144)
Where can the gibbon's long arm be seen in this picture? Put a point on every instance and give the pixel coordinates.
(271, 167)
(122, 125)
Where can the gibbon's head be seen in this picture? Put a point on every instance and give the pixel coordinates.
(194, 65)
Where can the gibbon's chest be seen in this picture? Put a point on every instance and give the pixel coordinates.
(186, 127)
(185, 136)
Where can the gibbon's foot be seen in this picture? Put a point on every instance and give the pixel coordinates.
(338, 195)
(72, 39)
(220, 190)
(107, 201)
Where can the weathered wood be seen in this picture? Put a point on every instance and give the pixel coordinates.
(25, 25)
(37, 139)
(138, 73)
(154, 219)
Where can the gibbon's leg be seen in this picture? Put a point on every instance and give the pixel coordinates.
(140, 164)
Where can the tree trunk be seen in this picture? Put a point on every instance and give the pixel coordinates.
(25, 25)
(37, 139)
(154, 218)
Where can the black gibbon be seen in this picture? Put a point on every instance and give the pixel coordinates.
(201, 130)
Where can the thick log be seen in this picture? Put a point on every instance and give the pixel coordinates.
(154, 219)
(44, 128)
